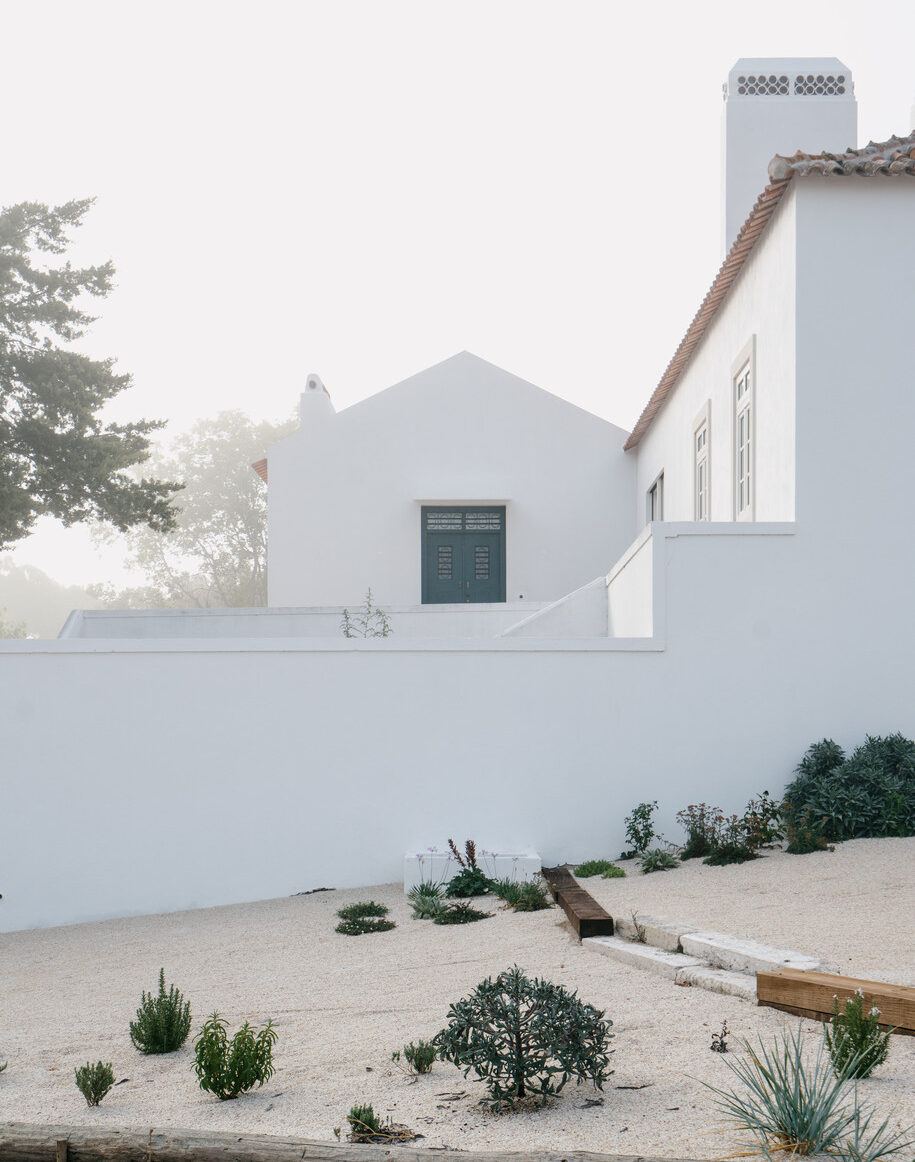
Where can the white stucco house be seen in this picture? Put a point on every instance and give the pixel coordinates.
(583, 617)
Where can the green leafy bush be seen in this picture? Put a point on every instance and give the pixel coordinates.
(525, 1037)
(419, 1057)
(791, 1106)
(427, 901)
(613, 873)
(699, 821)
(871, 794)
(163, 1021)
(657, 860)
(731, 843)
(639, 829)
(462, 913)
(363, 926)
(762, 822)
(359, 911)
(593, 867)
(523, 895)
(469, 881)
(227, 1068)
(364, 1120)
(856, 1043)
(534, 896)
(94, 1081)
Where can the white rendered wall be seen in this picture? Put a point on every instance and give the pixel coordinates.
(759, 310)
(756, 126)
(345, 492)
(164, 775)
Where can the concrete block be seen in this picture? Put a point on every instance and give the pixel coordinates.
(738, 955)
(717, 980)
(658, 933)
(656, 960)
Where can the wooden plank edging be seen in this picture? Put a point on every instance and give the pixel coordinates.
(586, 916)
(810, 994)
(22, 1142)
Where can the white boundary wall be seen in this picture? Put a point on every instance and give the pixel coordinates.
(153, 776)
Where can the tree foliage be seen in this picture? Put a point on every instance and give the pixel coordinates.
(217, 554)
(57, 457)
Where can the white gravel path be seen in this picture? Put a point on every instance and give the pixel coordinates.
(342, 1004)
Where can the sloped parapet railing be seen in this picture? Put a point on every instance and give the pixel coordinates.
(29, 1143)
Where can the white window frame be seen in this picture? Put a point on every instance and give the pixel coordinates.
(745, 419)
(702, 459)
(654, 499)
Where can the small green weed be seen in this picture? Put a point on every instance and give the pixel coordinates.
(94, 1081)
(419, 1057)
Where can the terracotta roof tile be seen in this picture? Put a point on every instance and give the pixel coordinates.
(888, 158)
(260, 467)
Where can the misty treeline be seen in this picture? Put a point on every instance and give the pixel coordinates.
(188, 517)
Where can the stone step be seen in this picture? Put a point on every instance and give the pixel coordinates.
(738, 955)
(675, 966)
(656, 960)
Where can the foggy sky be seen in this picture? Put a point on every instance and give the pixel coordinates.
(363, 189)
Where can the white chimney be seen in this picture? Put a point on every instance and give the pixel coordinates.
(314, 402)
(779, 105)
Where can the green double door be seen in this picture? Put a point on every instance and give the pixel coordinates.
(463, 555)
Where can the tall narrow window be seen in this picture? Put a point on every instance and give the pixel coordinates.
(744, 488)
(701, 467)
(655, 506)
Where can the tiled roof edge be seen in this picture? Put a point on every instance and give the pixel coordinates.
(260, 467)
(765, 207)
(888, 158)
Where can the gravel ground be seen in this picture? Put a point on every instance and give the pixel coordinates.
(342, 1004)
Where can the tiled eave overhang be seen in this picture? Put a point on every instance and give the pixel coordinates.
(888, 158)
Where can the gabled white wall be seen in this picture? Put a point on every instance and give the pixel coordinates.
(760, 306)
(345, 492)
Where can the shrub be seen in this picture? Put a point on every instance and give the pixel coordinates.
(613, 872)
(698, 820)
(871, 794)
(359, 911)
(364, 1120)
(791, 1106)
(427, 901)
(419, 1057)
(657, 860)
(524, 1037)
(593, 867)
(366, 1126)
(856, 1043)
(523, 895)
(639, 828)
(731, 844)
(762, 822)
(94, 1081)
(363, 925)
(227, 1068)
(163, 1022)
(533, 897)
(462, 913)
(469, 881)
